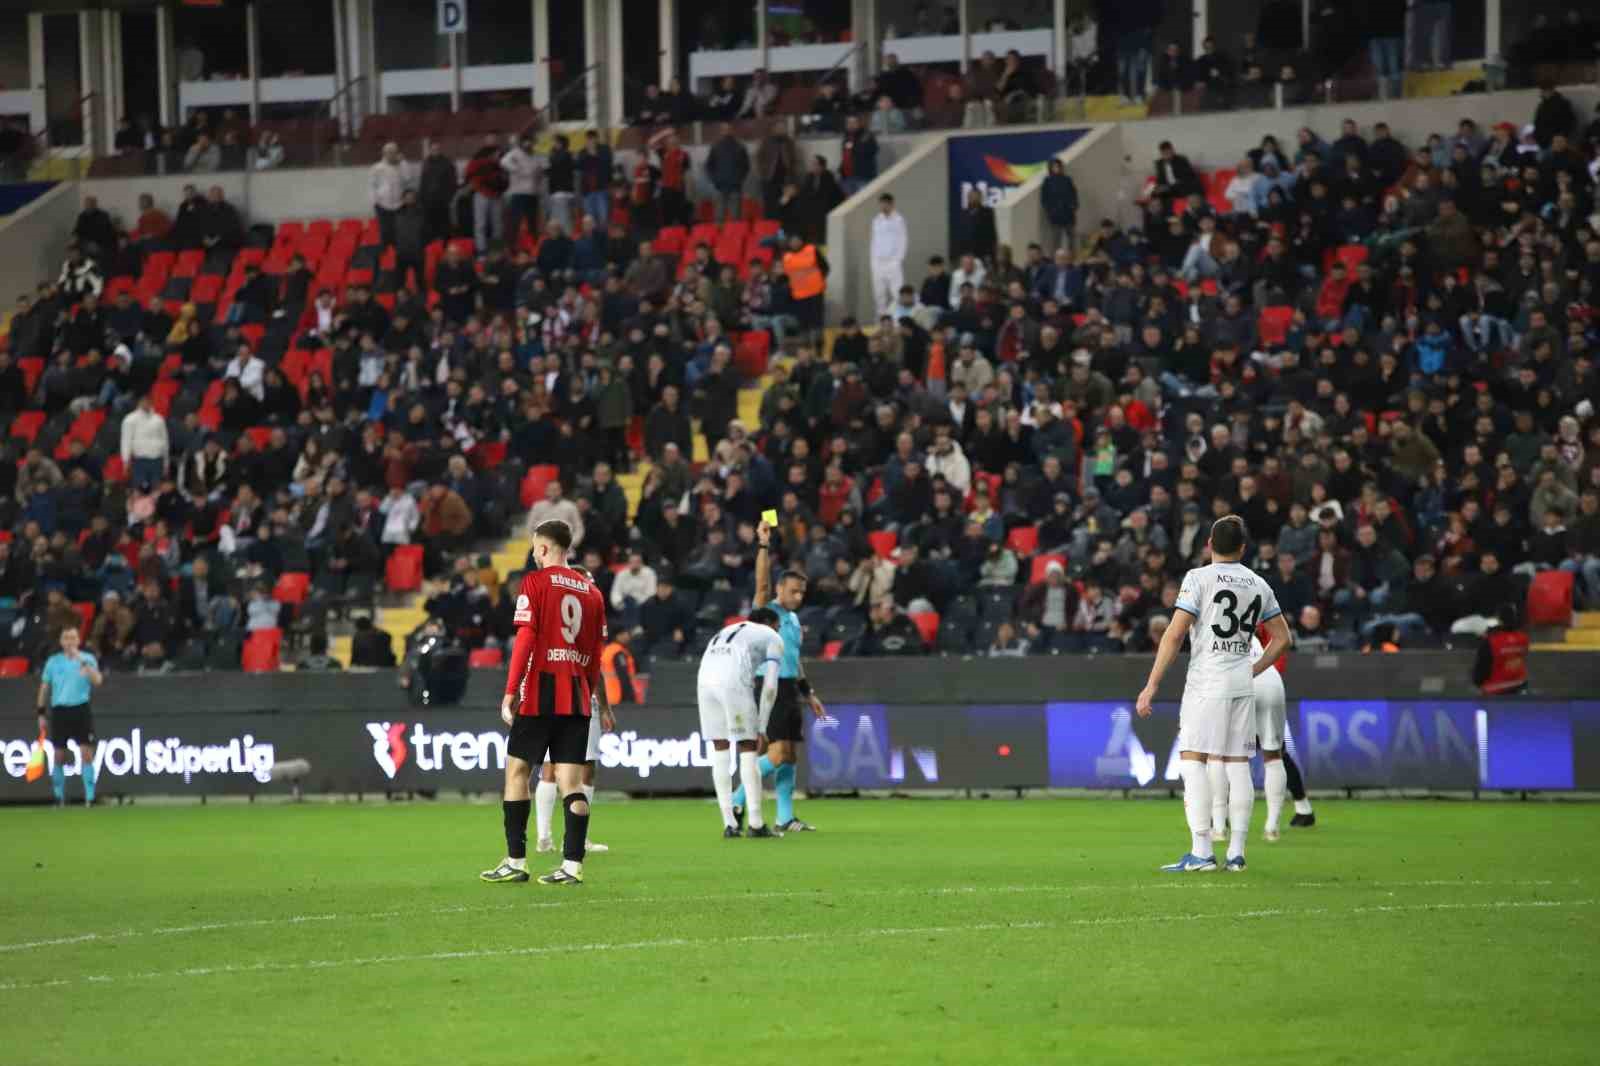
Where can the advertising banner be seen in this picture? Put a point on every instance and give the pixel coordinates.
(995, 162)
(1423, 744)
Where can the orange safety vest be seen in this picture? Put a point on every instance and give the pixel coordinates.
(612, 676)
(1508, 668)
(805, 278)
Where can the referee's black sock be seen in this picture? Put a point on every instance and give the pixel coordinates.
(577, 827)
(516, 815)
(1297, 787)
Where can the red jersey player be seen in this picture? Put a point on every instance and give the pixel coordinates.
(554, 668)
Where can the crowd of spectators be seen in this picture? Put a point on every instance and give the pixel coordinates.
(1030, 448)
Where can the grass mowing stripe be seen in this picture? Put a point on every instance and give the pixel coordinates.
(956, 890)
(765, 938)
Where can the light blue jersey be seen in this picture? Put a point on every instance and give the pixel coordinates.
(68, 686)
(789, 630)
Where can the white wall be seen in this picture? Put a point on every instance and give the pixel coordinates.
(33, 241)
(1094, 162)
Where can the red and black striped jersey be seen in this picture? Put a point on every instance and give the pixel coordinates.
(561, 629)
(1266, 638)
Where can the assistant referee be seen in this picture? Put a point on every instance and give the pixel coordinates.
(64, 690)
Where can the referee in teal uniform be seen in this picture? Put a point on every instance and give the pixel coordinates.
(70, 676)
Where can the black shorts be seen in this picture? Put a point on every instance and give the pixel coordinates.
(787, 721)
(564, 737)
(71, 723)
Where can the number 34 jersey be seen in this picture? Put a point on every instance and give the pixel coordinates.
(1228, 601)
(566, 616)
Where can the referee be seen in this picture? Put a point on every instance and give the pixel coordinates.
(785, 727)
(64, 690)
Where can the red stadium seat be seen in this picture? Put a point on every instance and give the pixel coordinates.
(26, 425)
(534, 481)
(403, 572)
(751, 355)
(86, 425)
(1273, 325)
(486, 658)
(14, 666)
(260, 436)
(1351, 255)
(291, 587)
(261, 651)
(31, 368)
(85, 616)
(1040, 563)
(927, 623)
(883, 542)
(1024, 540)
(830, 652)
(670, 240)
(114, 472)
(1550, 598)
(489, 454)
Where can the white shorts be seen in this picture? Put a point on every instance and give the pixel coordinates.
(1271, 710)
(1218, 725)
(593, 752)
(727, 712)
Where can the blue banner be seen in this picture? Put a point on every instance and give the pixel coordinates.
(995, 162)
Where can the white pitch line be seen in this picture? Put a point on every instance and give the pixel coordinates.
(763, 938)
(1443, 883)
(469, 908)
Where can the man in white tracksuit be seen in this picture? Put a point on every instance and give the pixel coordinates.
(889, 242)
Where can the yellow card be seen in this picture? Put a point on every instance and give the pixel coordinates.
(770, 517)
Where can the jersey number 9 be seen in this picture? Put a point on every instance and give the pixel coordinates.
(571, 618)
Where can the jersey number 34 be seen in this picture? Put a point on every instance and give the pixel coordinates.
(1228, 603)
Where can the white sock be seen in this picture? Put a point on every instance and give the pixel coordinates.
(1277, 789)
(750, 772)
(1197, 805)
(1241, 798)
(1302, 806)
(1217, 777)
(722, 781)
(573, 868)
(517, 864)
(545, 798)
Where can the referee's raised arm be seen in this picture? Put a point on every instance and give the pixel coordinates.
(763, 594)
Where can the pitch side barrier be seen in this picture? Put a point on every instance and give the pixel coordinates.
(1399, 721)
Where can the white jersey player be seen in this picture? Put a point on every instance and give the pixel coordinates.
(1270, 724)
(1219, 607)
(737, 659)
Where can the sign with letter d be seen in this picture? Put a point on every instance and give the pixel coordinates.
(452, 16)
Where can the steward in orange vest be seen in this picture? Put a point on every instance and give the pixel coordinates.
(1502, 665)
(807, 272)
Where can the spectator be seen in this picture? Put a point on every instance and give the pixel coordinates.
(777, 165)
(371, 647)
(664, 622)
(1060, 198)
(888, 632)
(858, 156)
(594, 178)
(759, 97)
(437, 192)
(561, 178)
(144, 443)
(1555, 116)
(975, 228)
(556, 506)
(727, 167)
(203, 157)
(94, 231)
(488, 180)
(890, 240)
(388, 184)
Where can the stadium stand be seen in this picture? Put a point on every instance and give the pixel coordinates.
(225, 437)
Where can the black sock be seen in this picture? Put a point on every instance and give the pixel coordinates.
(577, 827)
(516, 814)
(1297, 787)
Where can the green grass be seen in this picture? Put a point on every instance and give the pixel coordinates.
(919, 932)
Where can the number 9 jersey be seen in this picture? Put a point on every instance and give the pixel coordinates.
(1228, 601)
(561, 629)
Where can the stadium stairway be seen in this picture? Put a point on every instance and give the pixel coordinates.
(1582, 635)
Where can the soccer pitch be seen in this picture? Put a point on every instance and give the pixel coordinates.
(902, 932)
